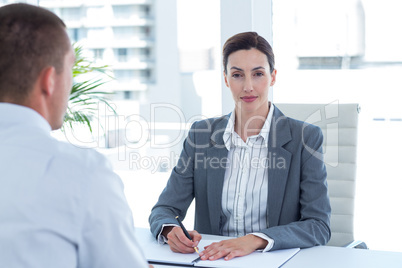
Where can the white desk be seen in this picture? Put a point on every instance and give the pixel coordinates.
(329, 257)
(336, 257)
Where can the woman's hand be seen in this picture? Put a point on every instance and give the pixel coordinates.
(178, 241)
(231, 248)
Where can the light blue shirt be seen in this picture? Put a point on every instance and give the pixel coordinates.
(60, 206)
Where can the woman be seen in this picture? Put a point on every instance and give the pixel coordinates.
(255, 174)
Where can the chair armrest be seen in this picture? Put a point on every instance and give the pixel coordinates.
(357, 244)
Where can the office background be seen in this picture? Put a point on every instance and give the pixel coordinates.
(166, 60)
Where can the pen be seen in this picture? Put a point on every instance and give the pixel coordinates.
(185, 232)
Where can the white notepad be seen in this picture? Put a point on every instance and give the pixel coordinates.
(256, 259)
(162, 254)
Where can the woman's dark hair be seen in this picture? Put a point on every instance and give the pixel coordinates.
(247, 40)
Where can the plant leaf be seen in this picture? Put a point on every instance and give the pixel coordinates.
(85, 94)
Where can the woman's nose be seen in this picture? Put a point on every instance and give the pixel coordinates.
(248, 84)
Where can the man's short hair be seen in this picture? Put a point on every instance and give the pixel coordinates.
(31, 39)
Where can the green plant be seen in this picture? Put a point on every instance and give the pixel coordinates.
(86, 92)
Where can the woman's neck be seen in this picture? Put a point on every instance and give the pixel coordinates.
(248, 124)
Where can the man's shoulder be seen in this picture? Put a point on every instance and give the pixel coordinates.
(85, 166)
(69, 150)
(72, 154)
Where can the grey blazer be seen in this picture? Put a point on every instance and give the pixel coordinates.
(298, 203)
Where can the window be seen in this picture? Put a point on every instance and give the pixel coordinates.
(76, 34)
(71, 14)
(123, 76)
(98, 53)
(145, 31)
(122, 54)
(145, 73)
(124, 33)
(145, 51)
(144, 10)
(127, 95)
(123, 12)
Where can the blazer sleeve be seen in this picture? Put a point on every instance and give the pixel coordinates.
(179, 191)
(312, 227)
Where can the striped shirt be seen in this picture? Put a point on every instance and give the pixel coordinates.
(245, 188)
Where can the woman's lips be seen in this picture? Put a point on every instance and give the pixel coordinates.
(249, 98)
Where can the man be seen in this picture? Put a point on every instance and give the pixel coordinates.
(60, 206)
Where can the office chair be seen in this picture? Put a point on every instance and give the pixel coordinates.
(339, 126)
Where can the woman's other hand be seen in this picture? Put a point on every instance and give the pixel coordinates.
(231, 248)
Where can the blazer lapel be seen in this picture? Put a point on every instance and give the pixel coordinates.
(279, 164)
(216, 167)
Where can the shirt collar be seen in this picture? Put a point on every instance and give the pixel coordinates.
(13, 114)
(228, 136)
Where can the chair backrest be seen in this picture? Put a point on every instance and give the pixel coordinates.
(339, 126)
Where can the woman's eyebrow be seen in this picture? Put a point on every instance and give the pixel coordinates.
(236, 68)
(240, 69)
(259, 67)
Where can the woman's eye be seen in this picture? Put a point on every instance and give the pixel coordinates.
(259, 74)
(236, 75)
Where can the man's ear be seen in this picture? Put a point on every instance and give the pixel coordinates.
(48, 81)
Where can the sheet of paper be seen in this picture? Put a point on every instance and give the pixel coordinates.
(256, 259)
(162, 254)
